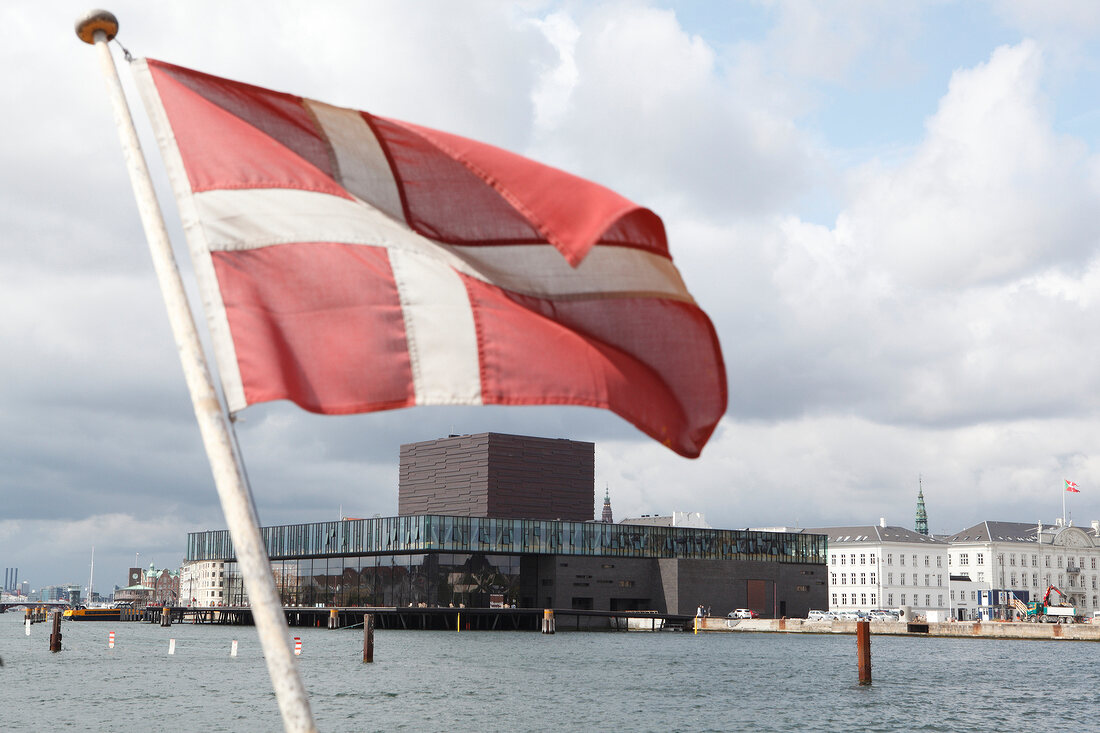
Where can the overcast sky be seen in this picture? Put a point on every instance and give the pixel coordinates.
(889, 211)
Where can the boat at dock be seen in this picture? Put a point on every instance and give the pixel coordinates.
(93, 614)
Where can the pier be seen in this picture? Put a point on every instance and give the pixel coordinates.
(418, 618)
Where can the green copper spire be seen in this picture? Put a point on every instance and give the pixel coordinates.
(922, 515)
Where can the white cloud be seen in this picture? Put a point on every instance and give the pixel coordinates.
(991, 193)
(654, 114)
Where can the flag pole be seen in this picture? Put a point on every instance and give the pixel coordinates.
(98, 27)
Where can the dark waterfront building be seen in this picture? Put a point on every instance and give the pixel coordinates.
(497, 475)
(466, 557)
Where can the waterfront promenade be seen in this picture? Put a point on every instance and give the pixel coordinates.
(951, 629)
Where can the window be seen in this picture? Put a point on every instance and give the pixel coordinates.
(939, 600)
(903, 599)
(1093, 562)
(889, 599)
(902, 579)
(889, 558)
(914, 560)
(928, 600)
(863, 578)
(926, 560)
(832, 559)
(952, 595)
(834, 599)
(889, 578)
(862, 559)
(939, 580)
(1012, 559)
(842, 559)
(843, 578)
(844, 599)
(939, 561)
(863, 599)
(901, 560)
(1046, 561)
(852, 560)
(833, 578)
(980, 559)
(1012, 580)
(1061, 561)
(981, 577)
(1035, 579)
(973, 595)
(873, 561)
(926, 582)
(873, 578)
(1034, 561)
(873, 599)
(964, 559)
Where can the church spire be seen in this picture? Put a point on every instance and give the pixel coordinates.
(606, 518)
(922, 515)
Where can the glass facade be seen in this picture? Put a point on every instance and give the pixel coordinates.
(483, 535)
(435, 579)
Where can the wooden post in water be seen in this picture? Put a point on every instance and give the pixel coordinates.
(368, 638)
(55, 637)
(332, 618)
(863, 645)
(548, 621)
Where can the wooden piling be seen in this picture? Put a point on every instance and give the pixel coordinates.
(863, 646)
(55, 637)
(548, 621)
(368, 638)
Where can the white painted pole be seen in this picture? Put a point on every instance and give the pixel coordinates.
(98, 27)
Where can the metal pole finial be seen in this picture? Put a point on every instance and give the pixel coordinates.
(96, 20)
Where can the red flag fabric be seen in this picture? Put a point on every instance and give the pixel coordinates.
(350, 262)
(1072, 487)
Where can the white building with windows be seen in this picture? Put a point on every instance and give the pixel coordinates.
(203, 583)
(876, 566)
(992, 562)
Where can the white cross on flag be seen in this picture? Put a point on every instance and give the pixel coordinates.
(350, 263)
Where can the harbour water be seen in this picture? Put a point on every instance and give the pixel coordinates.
(524, 681)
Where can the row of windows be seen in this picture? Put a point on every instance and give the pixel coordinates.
(869, 558)
(1071, 581)
(861, 602)
(861, 599)
(1073, 563)
(850, 579)
(482, 534)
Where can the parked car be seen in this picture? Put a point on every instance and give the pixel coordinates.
(743, 613)
(818, 615)
(883, 615)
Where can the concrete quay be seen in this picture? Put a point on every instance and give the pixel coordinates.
(950, 629)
